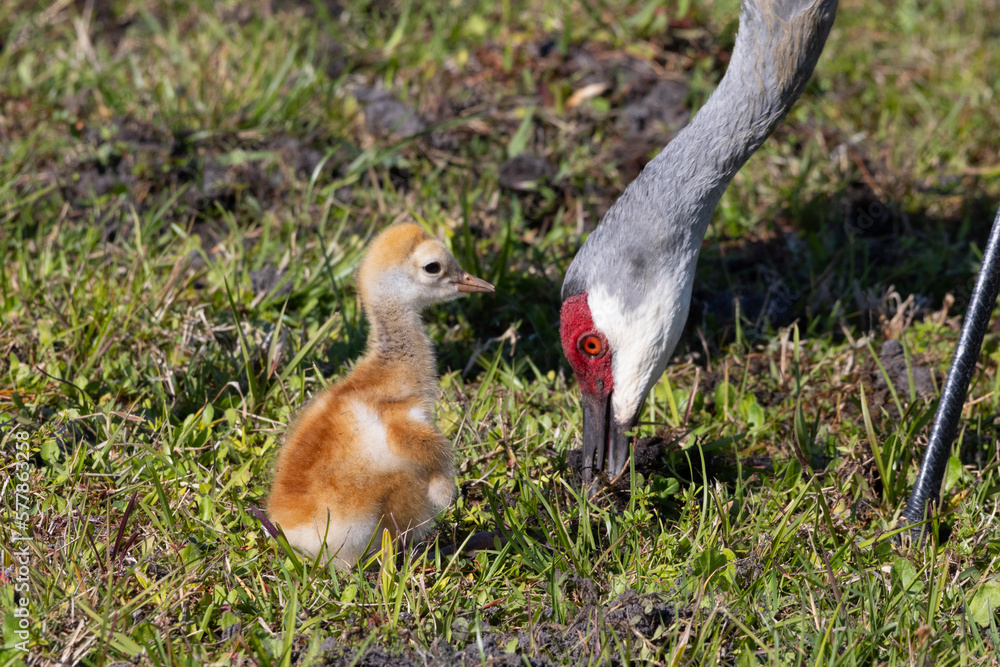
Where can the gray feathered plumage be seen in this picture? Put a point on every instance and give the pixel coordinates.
(654, 231)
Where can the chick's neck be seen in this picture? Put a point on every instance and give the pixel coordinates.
(397, 336)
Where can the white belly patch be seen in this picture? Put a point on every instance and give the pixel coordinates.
(371, 439)
(346, 541)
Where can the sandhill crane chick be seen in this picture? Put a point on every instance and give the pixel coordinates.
(365, 455)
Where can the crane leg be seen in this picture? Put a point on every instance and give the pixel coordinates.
(927, 488)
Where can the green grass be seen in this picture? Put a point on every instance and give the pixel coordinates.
(185, 191)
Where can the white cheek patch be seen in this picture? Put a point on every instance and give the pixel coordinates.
(370, 435)
(396, 285)
(641, 339)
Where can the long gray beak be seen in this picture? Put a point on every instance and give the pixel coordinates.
(605, 445)
(466, 282)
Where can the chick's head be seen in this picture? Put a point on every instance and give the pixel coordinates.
(405, 265)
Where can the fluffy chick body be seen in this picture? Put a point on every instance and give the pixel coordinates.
(365, 455)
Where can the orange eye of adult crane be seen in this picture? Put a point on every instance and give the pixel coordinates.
(592, 345)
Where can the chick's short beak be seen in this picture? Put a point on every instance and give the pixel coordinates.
(466, 282)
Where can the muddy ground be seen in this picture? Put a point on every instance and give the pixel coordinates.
(630, 616)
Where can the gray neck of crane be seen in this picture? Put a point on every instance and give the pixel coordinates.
(662, 216)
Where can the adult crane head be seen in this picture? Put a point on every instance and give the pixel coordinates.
(627, 292)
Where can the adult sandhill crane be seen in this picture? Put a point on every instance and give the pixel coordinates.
(627, 292)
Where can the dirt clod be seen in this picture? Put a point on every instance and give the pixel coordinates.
(648, 454)
(893, 360)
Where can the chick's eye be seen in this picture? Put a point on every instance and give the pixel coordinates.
(592, 345)
(433, 268)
